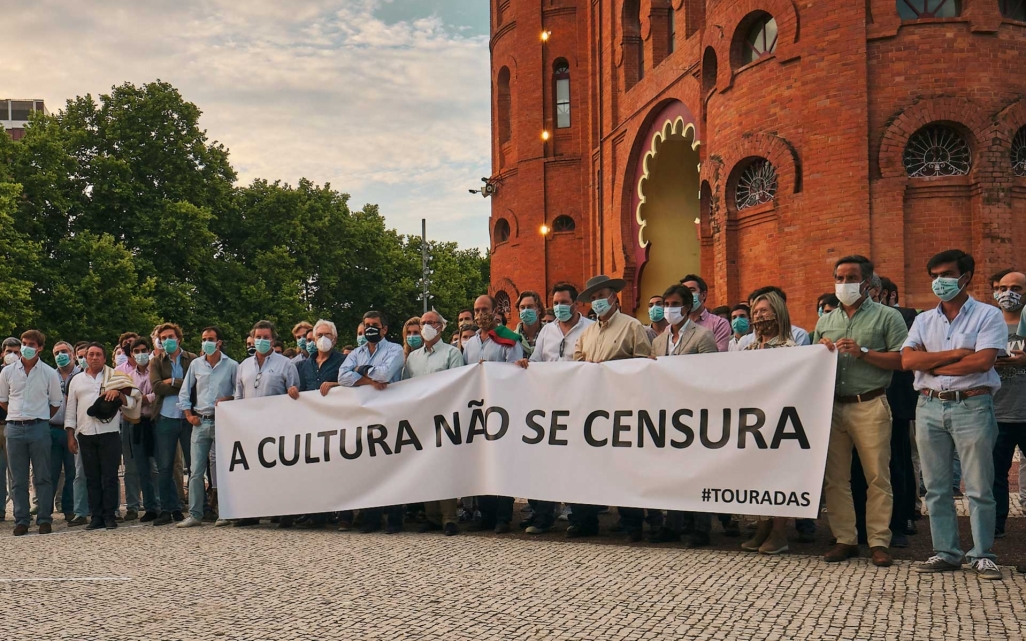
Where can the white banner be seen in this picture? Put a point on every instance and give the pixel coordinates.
(742, 433)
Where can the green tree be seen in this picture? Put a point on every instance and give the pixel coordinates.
(18, 260)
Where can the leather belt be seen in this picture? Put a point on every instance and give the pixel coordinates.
(22, 423)
(860, 398)
(955, 396)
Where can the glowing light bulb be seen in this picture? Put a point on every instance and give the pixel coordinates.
(545, 36)
(545, 135)
(544, 230)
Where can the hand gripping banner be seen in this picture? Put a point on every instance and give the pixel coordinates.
(741, 433)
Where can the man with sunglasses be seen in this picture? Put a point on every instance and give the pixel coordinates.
(265, 373)
(556, 342)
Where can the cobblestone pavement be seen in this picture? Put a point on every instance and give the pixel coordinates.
(140, 582)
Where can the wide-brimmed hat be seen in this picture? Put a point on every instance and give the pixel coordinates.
(597, 283)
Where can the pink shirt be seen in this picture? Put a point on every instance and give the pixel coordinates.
(142, 381)
(718, 326)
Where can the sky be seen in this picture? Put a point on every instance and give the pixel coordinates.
(387, 100)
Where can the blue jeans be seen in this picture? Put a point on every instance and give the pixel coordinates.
(61, 457)
(170, 433)
(138, 471)
(967, 427)
(30, 443)
(3, 479)
(202, 444)
(81, 489)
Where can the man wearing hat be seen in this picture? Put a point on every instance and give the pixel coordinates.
(614, 337)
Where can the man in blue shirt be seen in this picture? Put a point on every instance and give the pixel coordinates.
(952, 350)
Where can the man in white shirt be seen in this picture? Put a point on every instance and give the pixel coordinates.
(98, 437)
(30, 393)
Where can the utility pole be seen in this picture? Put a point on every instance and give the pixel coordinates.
(426, 271)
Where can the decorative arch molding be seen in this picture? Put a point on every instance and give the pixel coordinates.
(779, 151)
(511, 218)
(962, 112)
(1007, 123)
(788, 31)
(504, 284)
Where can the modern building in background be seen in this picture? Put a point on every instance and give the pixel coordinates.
(754, 142)
(14, 114)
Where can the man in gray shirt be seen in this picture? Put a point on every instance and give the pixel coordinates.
(1010, 400)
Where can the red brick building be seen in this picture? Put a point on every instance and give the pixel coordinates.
(755, 142)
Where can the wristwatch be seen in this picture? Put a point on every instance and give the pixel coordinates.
(864, 350)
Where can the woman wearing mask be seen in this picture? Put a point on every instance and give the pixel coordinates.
(411, 336)
(772, 325)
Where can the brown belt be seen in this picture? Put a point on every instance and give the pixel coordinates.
(955, 396)
(860, 398)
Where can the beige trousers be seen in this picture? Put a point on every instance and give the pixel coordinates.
(867, 428)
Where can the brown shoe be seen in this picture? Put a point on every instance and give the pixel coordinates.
(20, 530)
(45, 528)
(881, 557)
(841, 552)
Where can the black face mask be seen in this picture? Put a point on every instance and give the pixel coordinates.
(372, 334)
(251, 350)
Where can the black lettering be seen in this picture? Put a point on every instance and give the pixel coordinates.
(538, 429)
(753, 496)
(477, 424)
(238, 457)
(588, 437)
(728, 496)
(704, 430)
(281, 451)
(326, 436)
(792, 499)
(790, 414)
(342, 444)
(503, 426)
(806, 501)
(411, 439)
(555, 427)
(260, 452)
(376, 435)
(779, 498)
(645, 423)
(619, 428)
(455, 437)
(767, 498)
(683, 428)
(309, 443)
(744, 428)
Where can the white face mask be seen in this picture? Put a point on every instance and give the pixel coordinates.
(674, 315)
(324, 344)
(848, 293)
(10, 358)
(428, 333)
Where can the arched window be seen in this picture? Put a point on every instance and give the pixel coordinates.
(709, 71)
(1013, 9)
(760, 38)
(504, 105)
(917, 9)
(756, 185)
(1019, 153)
(502, 303)
(500, 233)
(937, 150)
(633, 47)
(561, 76)
(563, 223)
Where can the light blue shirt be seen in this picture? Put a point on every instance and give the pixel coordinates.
(386, 364)
(211, 384)
(475, 351)
(976, 327)
(169, 406)
(274, 378)
(30, 397)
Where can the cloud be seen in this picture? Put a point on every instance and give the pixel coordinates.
(386, 100)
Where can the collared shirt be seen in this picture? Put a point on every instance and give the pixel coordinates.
(300, 358)
(312, 375)
(30, 397)
(274, 378)
(554, 345)
(82, 393)
(878, 327)
(620, 337)
(58, 418)
(428, 360)
(211, 384)
(126, 367)
(526, 344)
(719, 326)
(385, 365)
(475, 350)
(169, 406)
(141, 378)
(734, 344)
(771, 343)
(798, 335)
(672, 344)
(977, 327)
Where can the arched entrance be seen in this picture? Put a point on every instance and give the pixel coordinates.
(666, 204)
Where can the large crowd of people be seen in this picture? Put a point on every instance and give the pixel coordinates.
(925, 403)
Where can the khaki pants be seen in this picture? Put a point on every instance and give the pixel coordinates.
(441, 512)
(867, 427)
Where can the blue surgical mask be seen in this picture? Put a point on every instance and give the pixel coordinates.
(63, 359)
(170, 345)
(82, 363)
(563, 312)
(142, 359)
(945, 289)
(819, 312)
(263, 345)
(601, 306)
(209, 347)
(696, 304)
(301, 343)
(361, 340)
(740, 325)
(529, 316)
(119, 360)
(414, 341)
(311, 347)
(28, 353)
(656, 313)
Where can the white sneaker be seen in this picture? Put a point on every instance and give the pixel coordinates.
(190, 522)
(565, 514)
(222, 523)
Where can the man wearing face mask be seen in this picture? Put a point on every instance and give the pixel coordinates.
(701, 316)
(125, 363)
(614, 337)
(1010, 400)
(61, 458)
(656, 316)
(138, 440)
(530, 310)
(167, 373)
(30, 394)
(741, 323)
(210, 380)
(868, 338)
(953, 349)
(302, 332)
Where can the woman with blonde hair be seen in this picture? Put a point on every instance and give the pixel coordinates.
(411, 336)
(772, 326)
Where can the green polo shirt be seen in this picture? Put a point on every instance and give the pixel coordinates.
(876, 326)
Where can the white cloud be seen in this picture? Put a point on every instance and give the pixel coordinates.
(395, 113)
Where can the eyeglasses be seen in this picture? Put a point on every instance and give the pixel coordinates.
(562, 346)
(256, 383)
